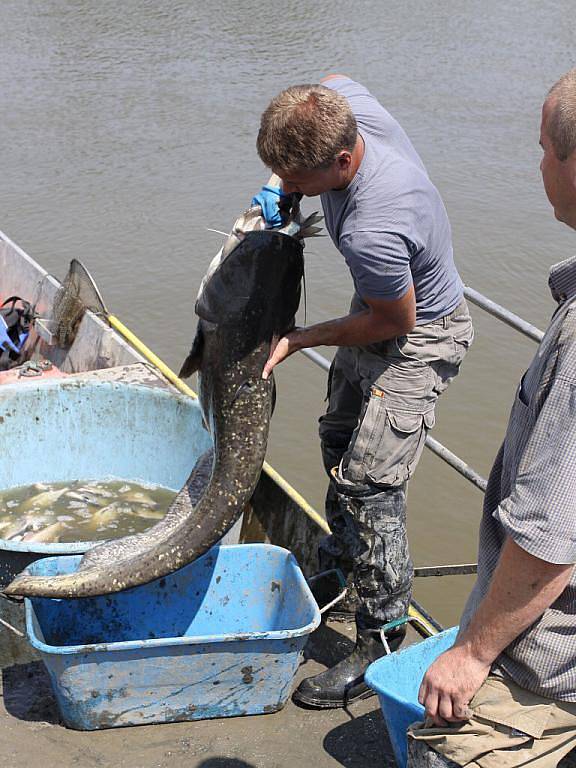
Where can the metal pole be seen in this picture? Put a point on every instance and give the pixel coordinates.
(446, 570)
(503, 314)
(317, 358)
(456, 463)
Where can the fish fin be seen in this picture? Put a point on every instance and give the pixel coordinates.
(314, 218)
(194, 359)
(308, 227)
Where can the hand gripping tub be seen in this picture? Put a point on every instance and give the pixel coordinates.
(221, 637)
(396, 679)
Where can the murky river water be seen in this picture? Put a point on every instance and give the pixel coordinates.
(128, 129)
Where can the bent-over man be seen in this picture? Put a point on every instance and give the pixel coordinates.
(398, 349)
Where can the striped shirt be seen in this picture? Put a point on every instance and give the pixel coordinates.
(531, 497)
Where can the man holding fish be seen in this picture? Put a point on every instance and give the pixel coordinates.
(400, 346)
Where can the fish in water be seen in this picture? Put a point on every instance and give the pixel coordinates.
(41, 500)
(247, 300)
(129, 546)
(50, 535)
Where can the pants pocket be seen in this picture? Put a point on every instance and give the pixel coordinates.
(514, 709)
(389, 442)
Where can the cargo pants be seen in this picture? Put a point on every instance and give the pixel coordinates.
(509, 727)
(381, 401)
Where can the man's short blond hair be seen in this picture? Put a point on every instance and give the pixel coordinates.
(561, 127)
(304, 128)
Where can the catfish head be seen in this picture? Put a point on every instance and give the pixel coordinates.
(251, 292)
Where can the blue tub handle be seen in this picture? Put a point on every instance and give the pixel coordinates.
(399, 623)
(341, 579)
(11, 628)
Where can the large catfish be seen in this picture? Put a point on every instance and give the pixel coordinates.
(248, 299)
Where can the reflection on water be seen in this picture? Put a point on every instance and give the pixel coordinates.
(126, 133)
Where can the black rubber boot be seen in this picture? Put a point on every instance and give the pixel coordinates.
(344, 683)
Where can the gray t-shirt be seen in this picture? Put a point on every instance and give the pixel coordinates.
(390, 223)
(531, 497)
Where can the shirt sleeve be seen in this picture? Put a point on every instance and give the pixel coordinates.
(366, 108)
(540, 512)
(379, 263)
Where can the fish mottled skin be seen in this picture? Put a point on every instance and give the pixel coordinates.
(250, 298)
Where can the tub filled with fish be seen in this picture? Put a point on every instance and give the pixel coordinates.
(87, 460)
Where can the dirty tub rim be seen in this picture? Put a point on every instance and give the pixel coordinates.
(163, 642)
(58, 548)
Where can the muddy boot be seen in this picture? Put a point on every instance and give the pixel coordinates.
(344, 683)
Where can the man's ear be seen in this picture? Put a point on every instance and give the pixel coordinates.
(344, 159)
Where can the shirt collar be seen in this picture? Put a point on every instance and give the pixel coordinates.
(562, 280)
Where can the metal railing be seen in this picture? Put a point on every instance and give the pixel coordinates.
(440, 450)
(514, 321)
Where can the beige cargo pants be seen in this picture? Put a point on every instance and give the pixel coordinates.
(510, 728)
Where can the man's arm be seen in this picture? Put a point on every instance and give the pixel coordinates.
(522, 587)
(384, 319)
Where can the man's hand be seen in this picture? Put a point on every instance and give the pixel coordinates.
(521, 588)
(268, 199)
(280, 350)
(450, 684)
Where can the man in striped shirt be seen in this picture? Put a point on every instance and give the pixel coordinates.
(505, 693)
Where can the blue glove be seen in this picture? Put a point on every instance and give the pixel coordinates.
(268, 199)
(5, 340)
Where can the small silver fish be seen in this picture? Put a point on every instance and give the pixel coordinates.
(106, 515)
(43, 499)
(137, 497)
(19, 528)
(95, 491)
(48, 535)
(87, 498)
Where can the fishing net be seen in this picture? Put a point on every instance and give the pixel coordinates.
(77, 293)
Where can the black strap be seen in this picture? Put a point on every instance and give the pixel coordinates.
(27, 308)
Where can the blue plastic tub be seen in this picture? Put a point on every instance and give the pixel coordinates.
(396, 679)
(221, 637)
(63, 430)
(81, 428)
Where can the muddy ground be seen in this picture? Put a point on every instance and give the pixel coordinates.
(31, 735)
